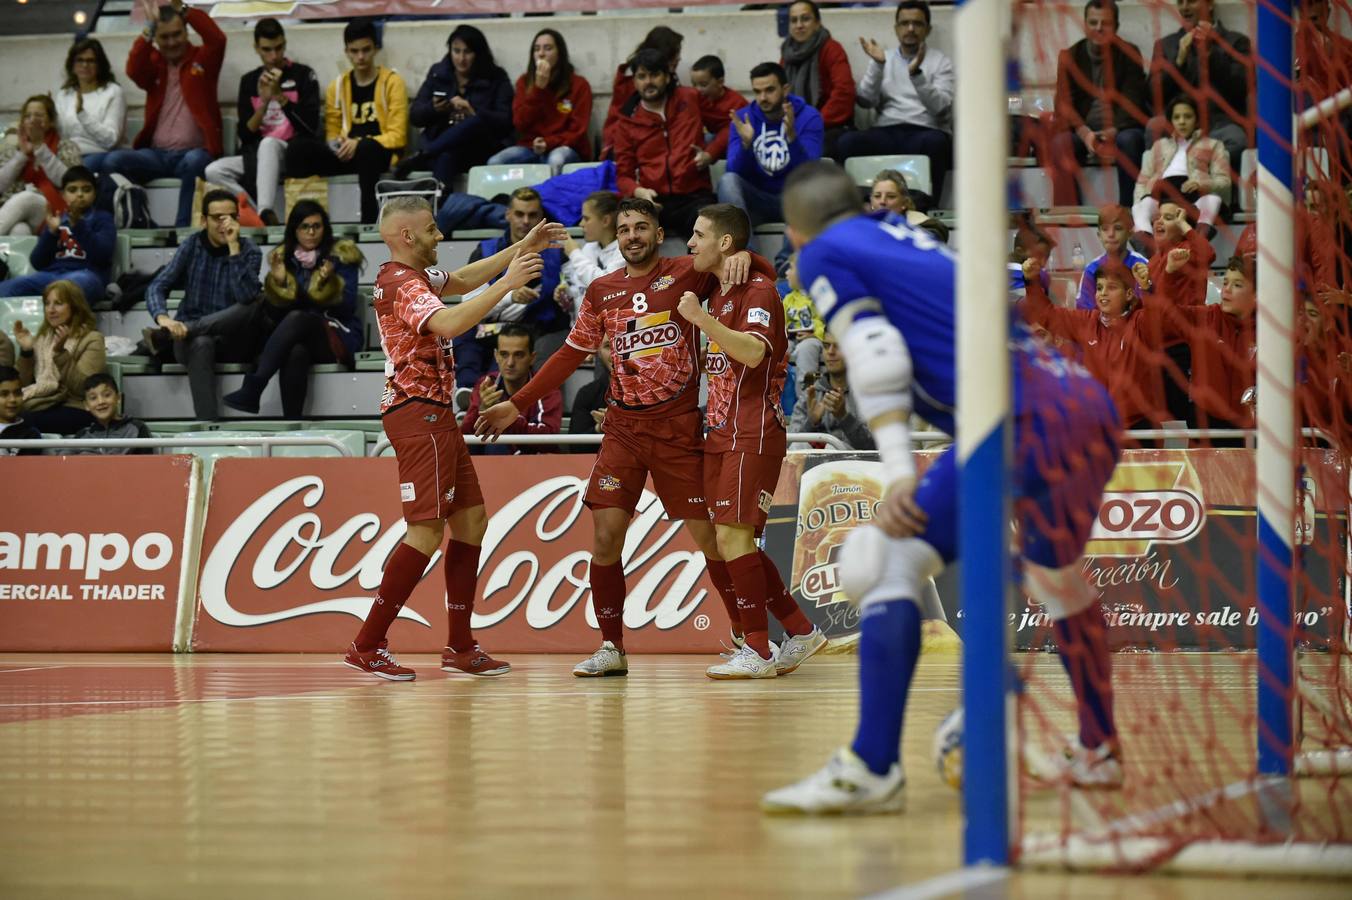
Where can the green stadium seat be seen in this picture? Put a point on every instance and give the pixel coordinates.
(916, 170)
(27, 310)
(573, 167)
(209, 455)
(354, 441)
(16, 249)
(121, 256)
(489, 181)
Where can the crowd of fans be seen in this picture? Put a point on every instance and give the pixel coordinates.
(1174, 127)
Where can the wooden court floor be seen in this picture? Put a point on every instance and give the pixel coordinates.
(292, 777)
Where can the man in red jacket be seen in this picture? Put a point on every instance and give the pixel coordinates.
(653, 140)
(819, 71)
(182, 132)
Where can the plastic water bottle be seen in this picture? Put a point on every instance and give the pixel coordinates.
(1077, 257)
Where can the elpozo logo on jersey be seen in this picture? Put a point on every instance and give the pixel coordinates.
(662, 283)
(1148, 503)
(646, 336)
(716, 361)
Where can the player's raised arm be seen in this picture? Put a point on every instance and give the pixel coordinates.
(475, 274)
(747, 349)
(523, 268)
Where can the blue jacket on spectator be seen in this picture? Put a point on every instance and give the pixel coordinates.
(770, 158)
(212, 279)
(88, 244)
(543, 315)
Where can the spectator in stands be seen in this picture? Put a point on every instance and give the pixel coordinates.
(1173, 228)
(806, 330)
(277, 101)
(1101, 106)
(717, 102)
(76, 245)
(889, 191)
(104, 403)
(464, 108)
(91, 108)
(6, 351)
(825, 403)
(1204, 58)
(310, 293)
(1030, 242)
(551, 108)
(33, 160)
(1114, 227)
(589, 404)
(1186, 165)
(515, 356)
(600, 255)
(13, 426)
(666, 42)
(55, 362)
(533, 305)
(819, 72)
(218, 320)
(1324, 67)
(912, 89)
(365, 121)
(657, 128)
(182, 132)
(776, 134)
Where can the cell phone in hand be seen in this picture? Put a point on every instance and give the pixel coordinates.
(809, 379)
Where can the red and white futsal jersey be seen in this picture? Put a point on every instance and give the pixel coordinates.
(418, 364)
(745, 444)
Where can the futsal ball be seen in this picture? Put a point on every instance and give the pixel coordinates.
(948, 749)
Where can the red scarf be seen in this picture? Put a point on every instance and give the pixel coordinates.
(33, 174)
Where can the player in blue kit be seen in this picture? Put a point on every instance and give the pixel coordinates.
(887, 291)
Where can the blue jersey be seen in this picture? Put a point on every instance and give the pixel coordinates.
(875, 265)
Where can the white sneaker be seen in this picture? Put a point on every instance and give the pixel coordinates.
(1093, 770)
(605, 661)
(745, 663)
(796, 650)
(844, 786)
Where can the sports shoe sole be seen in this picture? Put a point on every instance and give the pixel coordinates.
(366, 671)
(606, 674)
(487, 673)
(723, 676)
(814, 652)
(892, 805)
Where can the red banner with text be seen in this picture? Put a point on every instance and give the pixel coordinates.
(92, 551)
(347, 9)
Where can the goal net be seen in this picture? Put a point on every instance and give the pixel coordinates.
(1141, 123)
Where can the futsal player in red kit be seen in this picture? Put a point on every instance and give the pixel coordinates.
(652, 422)
(437, 480)
(745, 445)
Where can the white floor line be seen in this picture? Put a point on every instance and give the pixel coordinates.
(959, 881)
(30, 669)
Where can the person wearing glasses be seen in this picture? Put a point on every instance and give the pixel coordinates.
(91, 109)
(219, 319)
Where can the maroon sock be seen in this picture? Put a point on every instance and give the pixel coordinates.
(607, 585)
(718, 574)
(462, 575)
(1082, 642)
(402, 572)
(749, 576)
(782, 605)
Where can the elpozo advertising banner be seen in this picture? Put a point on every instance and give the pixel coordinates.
(293, 551)
(95, 551)
(1173, 551)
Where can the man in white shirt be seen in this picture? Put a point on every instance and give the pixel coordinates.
(912, 88)
(600, 255)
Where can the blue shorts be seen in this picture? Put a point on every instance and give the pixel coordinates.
(1063, 458)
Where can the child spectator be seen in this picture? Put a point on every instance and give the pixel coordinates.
(55, 362)
(104, 402)
(464, 108)
(806, 329)
(33, 160)
(1030, 242)
(91, 109)
(551, 108)
(600, 255)
(1114, 227)
(13, 427)
(1184, 165)
(717, 102)
(515, 356)
(311, 293)
(1188, 287)
(76, 245)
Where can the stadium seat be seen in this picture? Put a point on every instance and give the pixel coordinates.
(573, 167)
(916, 169)
(209, 455)
(489, 181)
(20, 309)
(716, 170)
(16, 249)
(162, 197)
(354, 441)
(121, 257)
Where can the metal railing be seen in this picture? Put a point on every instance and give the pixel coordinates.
(585, 440)
(266, 441)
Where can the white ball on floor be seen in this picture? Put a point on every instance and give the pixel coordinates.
(948, 749)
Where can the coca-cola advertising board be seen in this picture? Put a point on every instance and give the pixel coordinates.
(1173, 550)
(293, 550)
(95, 551)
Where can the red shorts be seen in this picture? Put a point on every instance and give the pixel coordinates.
(436, 476)
(671, 449)
(739, 487)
